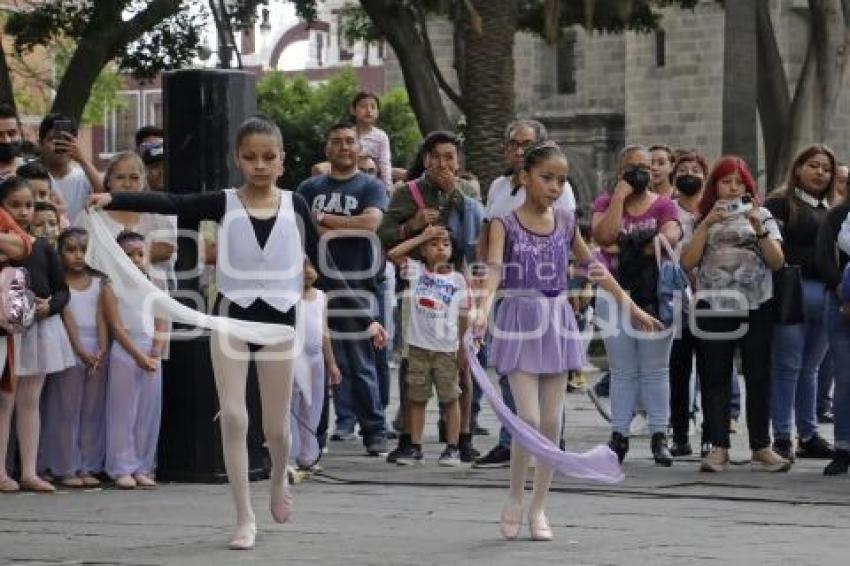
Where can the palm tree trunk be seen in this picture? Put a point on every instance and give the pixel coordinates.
(488, 86)
(740, 131)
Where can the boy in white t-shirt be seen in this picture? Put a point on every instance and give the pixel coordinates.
(439, 305)
(60, 150)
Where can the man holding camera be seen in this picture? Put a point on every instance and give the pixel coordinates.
(57, 136)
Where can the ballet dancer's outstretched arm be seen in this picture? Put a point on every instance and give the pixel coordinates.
(211, 206)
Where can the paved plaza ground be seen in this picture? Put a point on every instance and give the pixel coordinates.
(362, 511)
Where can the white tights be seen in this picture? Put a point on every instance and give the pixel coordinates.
(275, 380)
(24, 401)
(540, 403)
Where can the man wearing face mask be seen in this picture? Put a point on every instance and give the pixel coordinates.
(10, 139)
(624, 224)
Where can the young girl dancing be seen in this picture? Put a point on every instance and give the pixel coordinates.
(44, 347)
(260, 279)
(74, 435)
(318, 354)
(535, 338)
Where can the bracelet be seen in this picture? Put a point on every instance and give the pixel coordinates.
(763, 235)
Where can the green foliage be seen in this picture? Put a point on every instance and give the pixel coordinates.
(356, 24)
(399, 122)
(613, 16)
(171, 44)
(304, 111)
(103, 97)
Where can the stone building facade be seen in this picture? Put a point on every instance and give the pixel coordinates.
(597, 92)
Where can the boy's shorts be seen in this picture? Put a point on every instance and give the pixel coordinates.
(425, 368)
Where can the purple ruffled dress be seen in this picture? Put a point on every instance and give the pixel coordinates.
(535, 329)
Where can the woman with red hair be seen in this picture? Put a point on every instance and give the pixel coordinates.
(735, 247)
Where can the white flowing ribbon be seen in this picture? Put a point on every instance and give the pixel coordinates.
(105, 255)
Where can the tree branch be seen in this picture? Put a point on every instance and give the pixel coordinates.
(453, 95)
(156, 11)
(773, 98)
(458, 20)
(7, 92)
(845, 8)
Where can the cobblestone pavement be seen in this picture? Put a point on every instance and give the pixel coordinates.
(364, 511)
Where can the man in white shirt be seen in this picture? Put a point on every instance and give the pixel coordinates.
(506, 194)
(57, 136)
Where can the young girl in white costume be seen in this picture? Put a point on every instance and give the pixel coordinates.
(74, 435)
(318, 354)
(134, 392)
(263, 235)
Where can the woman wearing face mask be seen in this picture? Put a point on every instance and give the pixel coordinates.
(801, 207)
(624, 224)
(689, 175)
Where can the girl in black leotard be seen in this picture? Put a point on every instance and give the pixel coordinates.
(263, 235)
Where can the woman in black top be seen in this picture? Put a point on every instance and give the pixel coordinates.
(798, 349)
(259, 155)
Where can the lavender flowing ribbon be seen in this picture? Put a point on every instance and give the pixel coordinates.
(598, 464)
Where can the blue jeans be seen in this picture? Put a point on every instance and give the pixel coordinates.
(839, 344)
(382, 358)
(798, 350)
(477, 393)
(825, 381)
(358, 397)
(639, 365)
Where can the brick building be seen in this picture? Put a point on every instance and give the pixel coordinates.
(597, 92)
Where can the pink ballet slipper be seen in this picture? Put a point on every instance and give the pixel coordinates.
(243, 538)
(511, 521)
(539, 527)
(281, 506)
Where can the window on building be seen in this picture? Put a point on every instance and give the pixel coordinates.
(565, 64)
(319, 47)
(153, 108)
(123, 123)
(346, 48)
(660, 48)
